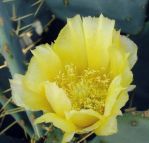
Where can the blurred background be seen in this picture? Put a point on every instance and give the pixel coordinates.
(25, 24)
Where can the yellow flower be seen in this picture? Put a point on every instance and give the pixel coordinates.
(81, 81)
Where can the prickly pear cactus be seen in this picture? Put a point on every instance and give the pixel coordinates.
(129, 14)
(23, 24)
(131, 125)
(16, 23)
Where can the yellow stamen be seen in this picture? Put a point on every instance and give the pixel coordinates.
(87, 90)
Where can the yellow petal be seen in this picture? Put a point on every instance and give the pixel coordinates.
(67, 137)
(131, 48)
(44, 65)
(83, 118)
(26, 98)
(131, 87)
(127, 77)
(57, 121)
(120, 102)
(57, 98)
(98, 37)
(108, 126)
(70, 45)
(116, 41)
(113, 92)
(118, 61)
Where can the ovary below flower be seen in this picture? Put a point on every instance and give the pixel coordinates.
(81, 81)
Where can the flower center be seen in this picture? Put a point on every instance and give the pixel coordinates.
(87, 90)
